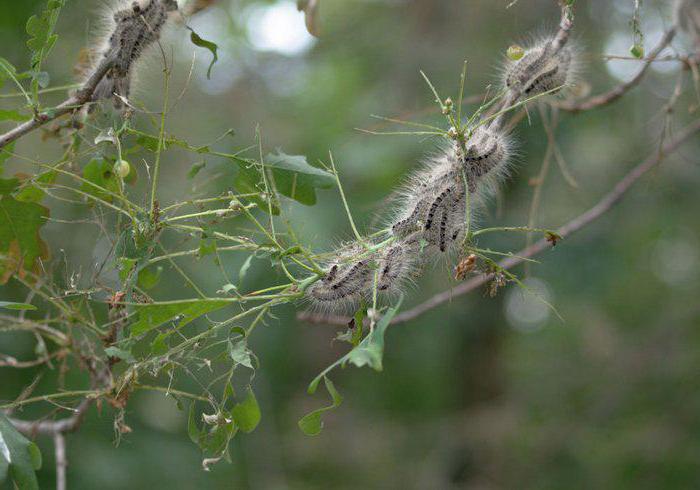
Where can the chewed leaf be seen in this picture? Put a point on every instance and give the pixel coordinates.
(19, 457)
(240, 354)
(103, 182)
(368, 353)
(203, 43)
(371, 350)
(155, 314)
(311, 424)
(296, 179)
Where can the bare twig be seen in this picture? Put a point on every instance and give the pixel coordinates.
(72, 103)
(615, 93)
(52, 427)
(59, 442)
(603, 206)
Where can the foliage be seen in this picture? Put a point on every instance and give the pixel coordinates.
(19, 458)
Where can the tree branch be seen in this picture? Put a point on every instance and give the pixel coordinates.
(53, 427)
(59, 442)
(615, 93)
(75, 101)
(602, 207)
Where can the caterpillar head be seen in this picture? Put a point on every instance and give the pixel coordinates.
(542, 68)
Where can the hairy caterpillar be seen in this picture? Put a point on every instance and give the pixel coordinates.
(546, 66)
(430, 221)
(134, 27)
(432, 213)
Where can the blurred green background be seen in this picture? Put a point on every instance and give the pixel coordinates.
(479, 393)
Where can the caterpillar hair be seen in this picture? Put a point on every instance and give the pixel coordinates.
(133, 28)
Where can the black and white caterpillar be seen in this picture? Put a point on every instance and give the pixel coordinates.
(432, 214)
(132, 28)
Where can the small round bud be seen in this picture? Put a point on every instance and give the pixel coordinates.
(637, 50)
(447, 106)
(515, 52)
(452, 133)
(122, 168)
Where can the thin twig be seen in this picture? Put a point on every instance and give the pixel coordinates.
(615, 93)
(72, 103)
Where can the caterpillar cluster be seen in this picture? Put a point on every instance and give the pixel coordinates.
(431, 216)
(133, 28)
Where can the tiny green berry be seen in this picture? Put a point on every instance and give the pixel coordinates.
(122, 168)
(515, 52)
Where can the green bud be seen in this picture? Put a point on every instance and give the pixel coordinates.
(637, 50)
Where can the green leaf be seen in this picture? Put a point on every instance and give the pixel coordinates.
(369, 352)
(159, 346)
(247, 413)
(8, 305)
(203, 43)
(40, 29)
(311, 424)
(9, 115)
(240, 354)
(150, 143)
(249, 180)
(122, 354)
(101, 178)
(19, 457)
(149, 277)
(216, 441)
(125, 266)
(207, 246)
(155, 314)
(5, 152)
(359, 325)
(194, 169)
(192, 429)
(31, 192)
(296, 179)
(371, 349)
(21, 247)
